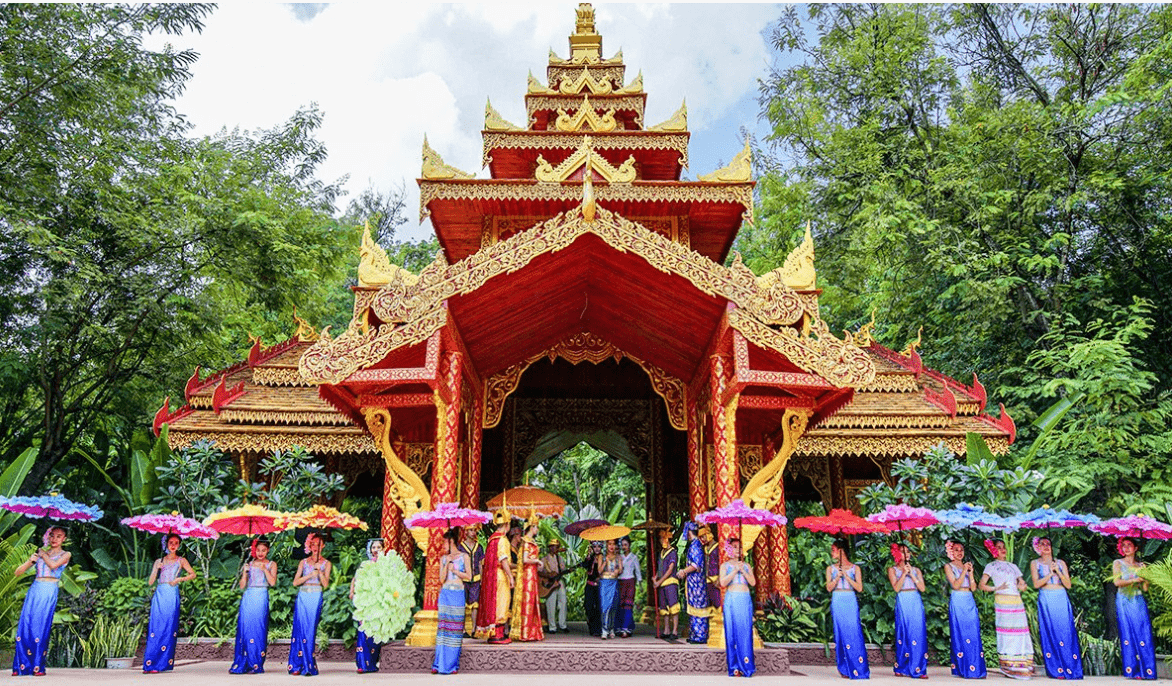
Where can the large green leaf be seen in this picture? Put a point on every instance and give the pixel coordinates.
(13, 476)
(977, 449)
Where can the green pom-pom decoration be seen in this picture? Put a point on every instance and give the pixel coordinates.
(384, 594)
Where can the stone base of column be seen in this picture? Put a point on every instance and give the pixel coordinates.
(423, 632)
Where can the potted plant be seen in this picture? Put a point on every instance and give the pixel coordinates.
(112, 643)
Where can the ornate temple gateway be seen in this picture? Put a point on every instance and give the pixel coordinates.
(581, 295)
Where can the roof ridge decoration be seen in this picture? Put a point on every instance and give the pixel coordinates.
(864, 336)
(798, 271)
(493, 121)
(756, 310)
(739, 170)
(572, 86)
(434, 167)
(677, 122)
(586, 116)
(305, 331)
(909, 350)
(375, 268)
(535, 87)
(585, 156)
(633, 88)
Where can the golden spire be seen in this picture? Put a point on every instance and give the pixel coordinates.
(585, 43)
(797, 273)
(864, 337)
(434, 167)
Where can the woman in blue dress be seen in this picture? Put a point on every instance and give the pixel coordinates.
(312, 577)
(911, 631)
(252, 622)
(737, 578)
(1060, 649)
(964, 622)
(455, 569)
(366, 651)
(36, 615)
(1131, 613)
(843, 580)
(163, 629)
(609, 567)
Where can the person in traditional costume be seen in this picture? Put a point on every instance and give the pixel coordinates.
(455, 569)
(252, 620)
(629, 579)
(736, 577)
(526, 624)
(712, 566)
(610, 566)
(1061, 652)
(911, 629)
(366, 650)
(694, 575)
(475, 551)
(964, 622)
(591, 601)
(844, 580)
(496, 584)
(40, 602)
(1131, 613)
(311, 579)
(667, 586)
(1003, 579)
(163, 628)
(553, 569)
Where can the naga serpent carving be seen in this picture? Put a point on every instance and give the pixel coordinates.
(409, 492)
(765, 490)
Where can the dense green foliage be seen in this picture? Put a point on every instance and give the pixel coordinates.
(999, 175)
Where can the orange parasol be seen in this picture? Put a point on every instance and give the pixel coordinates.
(322, 517)
(529, 499)
(607, 532)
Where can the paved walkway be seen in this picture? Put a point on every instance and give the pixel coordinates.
(342, 674)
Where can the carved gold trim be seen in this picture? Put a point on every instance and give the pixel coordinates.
(863, 338)
(839, 362)
(277, 376)
(305, 331)
(892, 383)
(585, 156)
(912, 345)
(284, 417)
(766, 488)
(493, 121)
(584, 59)
(584, 81)
(403, 487)
(527, 191)
(885, 421)
(891, 446)
(435, 169)
(677, 122)
(586, 116)
(584, 347)
(739, 170)
(613, 74)
(548, 141)
(617, 103)
(269, 441)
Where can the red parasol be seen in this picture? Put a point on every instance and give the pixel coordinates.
(838, 523)
(1135, 526)
(446, 516)
(904, 517)
(173, 523)
(247, 520)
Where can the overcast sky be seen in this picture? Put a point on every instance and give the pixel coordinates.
(385, 75)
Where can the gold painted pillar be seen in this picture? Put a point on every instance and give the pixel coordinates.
(471, 486)
(724, 460)
(392, 528)
(697, 485)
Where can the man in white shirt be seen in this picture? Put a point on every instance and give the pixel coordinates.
(552, 571)
(629, 580)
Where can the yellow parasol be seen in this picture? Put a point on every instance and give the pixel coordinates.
(322, 517)
(529, 498)
(609, 532)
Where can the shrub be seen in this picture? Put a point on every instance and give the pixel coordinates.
(791, 620)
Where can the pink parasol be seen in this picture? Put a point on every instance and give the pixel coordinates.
(904, 517)
(52, 506)
(173, 523)
(739, 514)
(1135, 526)
(446, 516)
(840, 522)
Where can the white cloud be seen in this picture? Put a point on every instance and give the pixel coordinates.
(384, 76)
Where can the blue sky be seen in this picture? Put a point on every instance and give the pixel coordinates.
(384, 76)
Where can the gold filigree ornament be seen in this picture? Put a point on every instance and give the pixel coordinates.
(535, 87)
(493, 121)
(549, 140)
(798, 272)
(676, 123)
(586, 116)
(633, 88)
(912, 345)
(420, 306)
(585, 156)
(305, 331)
(765, 488)
(434, 168)
(375, 268)
(864, 338)
(404, 486)
(739, 170)
(584, 81)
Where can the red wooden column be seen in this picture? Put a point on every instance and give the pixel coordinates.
(779, 553)
(696, 483)
(392, 529)
(443, 475)
(471, 486)
(763, 549)
(724, 438)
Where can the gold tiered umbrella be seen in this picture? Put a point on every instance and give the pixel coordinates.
(529, 499)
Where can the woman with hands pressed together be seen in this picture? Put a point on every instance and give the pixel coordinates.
(252, 622)
(911, 630)
(455, 570)
(964, 622)
(844, 580)
(312, 577)
(1060, 649)
(736, 578)
(1131, 613)
(163, 629)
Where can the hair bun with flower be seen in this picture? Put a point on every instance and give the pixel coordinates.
(991, 546)
(896, 554)
(1036, 544)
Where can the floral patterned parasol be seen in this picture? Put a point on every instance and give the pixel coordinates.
(321, 517)
(446, 516)
(738, 513)
(904, 517)
(52, 506)
(247, 520)
(840, 522)
(173, 523)
(966, 516)
(1046, 517)
(1135, 526)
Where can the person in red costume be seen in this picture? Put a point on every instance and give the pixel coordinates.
(496, 584)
